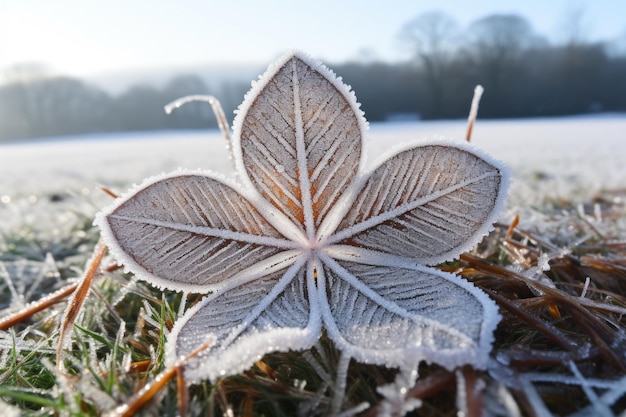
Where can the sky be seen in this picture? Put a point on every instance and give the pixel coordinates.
(88, 38)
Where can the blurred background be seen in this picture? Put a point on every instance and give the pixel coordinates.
(71, 67)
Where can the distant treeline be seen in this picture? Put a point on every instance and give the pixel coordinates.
(523, 76)
(67, 106)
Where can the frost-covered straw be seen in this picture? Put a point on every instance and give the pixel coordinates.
(478, 93)
(222, 122)
(583, 293)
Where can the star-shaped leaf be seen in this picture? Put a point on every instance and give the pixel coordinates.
(312, 240)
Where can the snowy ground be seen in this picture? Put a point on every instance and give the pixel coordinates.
(570, 157)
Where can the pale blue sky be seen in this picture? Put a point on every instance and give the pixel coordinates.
(90, 37)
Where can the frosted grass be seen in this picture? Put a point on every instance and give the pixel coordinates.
(47, 192)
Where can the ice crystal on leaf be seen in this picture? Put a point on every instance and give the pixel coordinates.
(309, 239)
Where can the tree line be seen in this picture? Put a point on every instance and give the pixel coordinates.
(523, 74)
(68, 106)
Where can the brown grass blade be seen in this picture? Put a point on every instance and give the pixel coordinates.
(37, 306)
(78, 298)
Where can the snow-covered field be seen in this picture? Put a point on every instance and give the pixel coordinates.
(569, 157)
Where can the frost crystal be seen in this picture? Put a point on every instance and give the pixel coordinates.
(310, 239)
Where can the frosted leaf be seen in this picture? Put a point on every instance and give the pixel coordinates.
(413, 309)
(270, 313)
(300, 139)
(310, 240)
(188, 232)
(428, 203)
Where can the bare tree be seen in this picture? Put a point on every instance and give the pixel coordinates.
(574, 26)
(431, 38)
(501, 39)
(498, 45)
